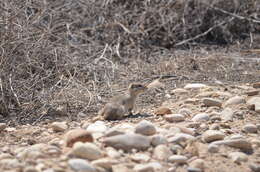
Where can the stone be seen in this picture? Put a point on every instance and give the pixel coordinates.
(2, 126)
(113, 132)
(197, 163)
(162, 152)
(238, 157)
(149, 167)
(81, 165)
(211, 102)
(250, 128)
(254, 104)
(193, 101)
(235, 101)
(176, 149)
(120, 168)
(192, 169)
(195, 86)
(162, 111)
(105, 163)
(214, 127)
(140, 157)
(179, 91)
(258, 126)
(97, 127)
(5, 156)
(158, 140)
(236, 136)
(33, 152)
(143, 168)
(125, 127)
(227, 114)
(180, 137)
(252, 92)
(128, 142)
(256, 85)
(145, 128)
(212, 148)
(175, 118)
(112, 152)
(236, 143)
(186, 130)
(201, 117)
(10, 163)
(185, 111)
(77, 135)
(59, 126)
(178, 159)
(213, 135)
(255, 167)
(30, 169)
(86, 151)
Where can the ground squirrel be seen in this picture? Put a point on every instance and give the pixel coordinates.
(122, 105)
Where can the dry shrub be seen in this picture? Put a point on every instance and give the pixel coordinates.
(51, 51)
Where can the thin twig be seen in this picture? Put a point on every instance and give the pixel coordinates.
(204, 33)
(233, 14)
(15, 95)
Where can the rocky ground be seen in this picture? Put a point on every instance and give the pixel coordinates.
(211, 128)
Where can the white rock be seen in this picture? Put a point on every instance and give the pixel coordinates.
(238, 157)
(250, 128)
(185, 111)
(212, 135)
(125, 127)
(255, 167)
(175, 117)
(113, 153)
(227, 114)
(235, 101)
(198, 163)
(59, 126)
(158, 140)
(162, 152)
(143, 168)
(5, 156)
(213, 148)
(156, 166)
(120, 168)
(128, 142)
(178, 159)
(145, 128)
(193, 169)
(32, 169)
(212, 102)
(105, 163)
(10, 163)
(33, 152)
(97, 127)
(180, 137)
(254, 104)
(195, 86)
(113, 132)
(140, 157)
(236, 143)
(150, 167)
(87, 151)
(179, 91)
(236, 136)
(201, 117)
(81, 165)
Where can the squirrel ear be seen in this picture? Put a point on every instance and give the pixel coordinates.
(131, 86)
